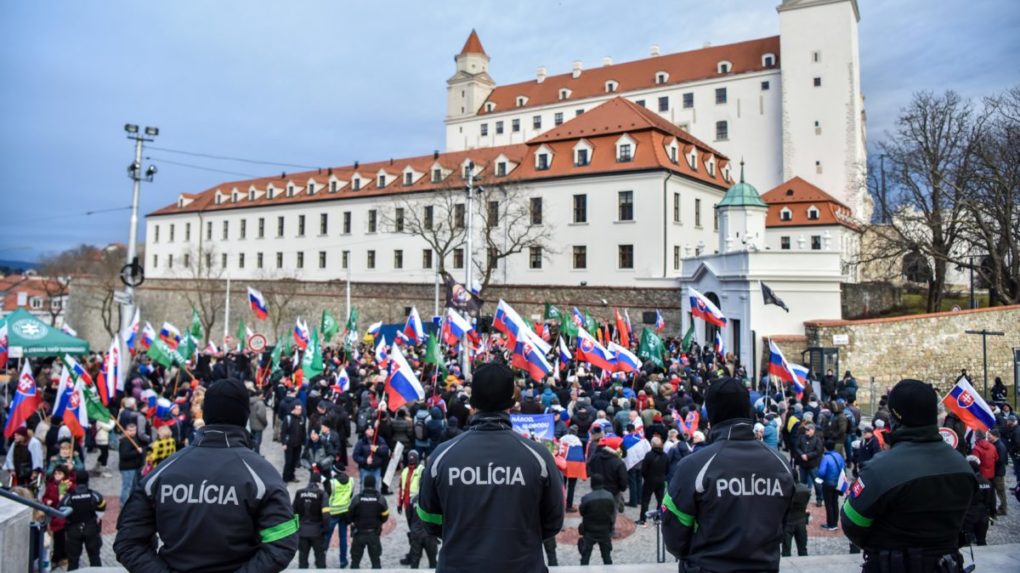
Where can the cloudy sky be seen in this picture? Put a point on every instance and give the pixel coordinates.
(330, 82)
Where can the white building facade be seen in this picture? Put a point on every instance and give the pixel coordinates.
(792, 103)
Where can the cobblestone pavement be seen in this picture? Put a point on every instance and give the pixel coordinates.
(635, 544)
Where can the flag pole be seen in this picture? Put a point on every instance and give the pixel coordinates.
(226, 312)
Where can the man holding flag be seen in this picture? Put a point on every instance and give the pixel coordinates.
(907, 507)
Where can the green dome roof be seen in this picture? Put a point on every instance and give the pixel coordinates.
(742, 194)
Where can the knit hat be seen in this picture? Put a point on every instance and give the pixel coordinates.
(492, 388)
(727, 399)
(597, 481)
(914, 403)
(368, 482)
(226, 402)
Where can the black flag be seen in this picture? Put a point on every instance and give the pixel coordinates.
(459, 297)
(771, 298)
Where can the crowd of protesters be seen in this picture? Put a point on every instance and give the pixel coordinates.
(623, 434)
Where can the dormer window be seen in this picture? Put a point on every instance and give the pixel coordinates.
(786, 214)
(408, 178)
(382, 181)
(564, 94)
(290, 190)
(311, 188)
(332, 186)
(710, 166)
(661, 77)
(180, 204)
(768, 60)
(625, 149)
(813, 213)
(673, 151)
(611, 86)
(501, 169)
(692, 159)
(235, 197)
(489, 106)
(521, 101)
(724, 67)
(251, 194)
(542, 161)
(356, 183)
(582, 153)
(437, 175)
(218, 199)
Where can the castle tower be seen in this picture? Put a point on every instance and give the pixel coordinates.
(742, 218)
(823, 108)
(471, 83)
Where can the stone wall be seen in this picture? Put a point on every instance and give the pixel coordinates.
(15, 532)
(862, 300)
(930, 347)
(169, 300)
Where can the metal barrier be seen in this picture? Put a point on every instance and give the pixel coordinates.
(46, 510)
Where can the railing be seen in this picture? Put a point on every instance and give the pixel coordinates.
(47, 511)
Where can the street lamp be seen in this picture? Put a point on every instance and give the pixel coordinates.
(133, 267)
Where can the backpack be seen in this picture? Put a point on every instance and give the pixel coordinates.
(365, 416)
(421, 429)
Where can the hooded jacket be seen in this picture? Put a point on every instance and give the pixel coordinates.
(493, 497)
(612, 469)
(217, 506)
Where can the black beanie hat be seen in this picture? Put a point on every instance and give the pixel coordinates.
(492, 388)
(597, 481)
(368, 482)
(914, 403)
(226, 402)
(727, 398)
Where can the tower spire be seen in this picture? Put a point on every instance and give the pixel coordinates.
(473, 45)
(741, 169)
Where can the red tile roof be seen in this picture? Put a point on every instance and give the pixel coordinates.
(473, 45)
(32, 286)
(650, 134)
(682, 67)
(799, 196)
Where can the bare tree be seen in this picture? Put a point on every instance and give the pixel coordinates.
(104, 279)
(202, 292)
(438, 218)
(59, 271)
(931, 170)
(993, 206)
(511, 224)
(281, 294)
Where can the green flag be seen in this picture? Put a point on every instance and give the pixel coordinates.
(651, 348)
(161, 353)
(311, 362)
(352, 321)
(286, 344)
(95, 407)
(242, 339)
(589, 323)
(328, 326)
(196, 326)
(567, 325)
(685, 344)
(432, 353)
(277, 354)
(188, 346)
(552, 313)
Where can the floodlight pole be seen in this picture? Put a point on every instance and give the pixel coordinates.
(985, 333)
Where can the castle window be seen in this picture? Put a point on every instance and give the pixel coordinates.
(722, 130)
(818, 82)
(581, 158)
(564, 93)
(813, 213)
(664, 103)
(688, 100)
(542, 161)
(720, 95)
(624, 153)
(311, 188)
(290, 190)
(536, 122)
(332, 186)
(489, 106)
(768, 60)
(521, 100)
(765, 86)
(786, 214)
(724, 67)
(558, 118)
(611, 86)
(661, 77)
(484, 129)
(437, 175)
(784, 243)
(408, 178)
(515, 125)
(499, 128)
(382, 181)
(501, 169)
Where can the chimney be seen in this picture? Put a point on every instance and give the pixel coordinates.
(576, 72)
(707, 45)
(607, 61)
(435, 154)
(356, 163)
(654, 51)
(540, 75)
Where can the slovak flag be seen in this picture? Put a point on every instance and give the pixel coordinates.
(703, 308)
(527, 357)
(382, 357)
(564, 352)
(70, 405)
(413, 328)
(455, 327)
(170, 335)
(76, 370)
(343, 381)
(258, 304)
(301, 335)
(507, 321)
(660, 323)
(109, 374)
(781, 369)
(66, 329)
(211, 348)
(720, 346)
(969, 406)
(578, 317)
(374, 328)
(26, 400)
(148, 337)
(590, 351)
(626, 361)
(4, 343)
(131, 335)
(402, 386)
(842, 484)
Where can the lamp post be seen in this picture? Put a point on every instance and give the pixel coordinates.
(133, 267)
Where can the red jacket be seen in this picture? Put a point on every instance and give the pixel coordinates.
(985, 452)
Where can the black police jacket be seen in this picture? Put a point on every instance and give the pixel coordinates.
(726, 503)
(309, 503)
(216, 506)
(912, 496)
(368, 512)
(84, 503)
(493, 497)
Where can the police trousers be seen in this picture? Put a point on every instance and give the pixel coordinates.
(314, 544)
(87, 536)
(912, 561)
(366, 540)
(423, 542)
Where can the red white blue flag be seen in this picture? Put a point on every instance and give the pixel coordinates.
(527, 357)
(170, 335)
(704, 309)
(793, 374)
(626, 361)
(4, 343)
(590, 351)
(26, 400)
(301, 335)
(964, 401)
(413, 328)
(70, 405)
(402, 386)
(258, 304)
(148, 337)
(131, 334)
(660, 323)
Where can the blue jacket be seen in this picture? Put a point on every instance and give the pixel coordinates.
(771, 436)
(830, 468)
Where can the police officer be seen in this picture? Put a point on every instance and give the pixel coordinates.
(907, 506)
(490, 494)
(420, 540)
(83, 524)
(340, 491)
(368, 513)
(718, 490)
(216, 505)
(311, 506)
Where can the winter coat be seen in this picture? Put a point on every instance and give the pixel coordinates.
(654, 467)
(257, 420)
(103, 430)
(985, 452)
(598, 514)
(812, 447)
(832, 465)
(363, 449)
(771, 436)
(402, 432)
(614, 472)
